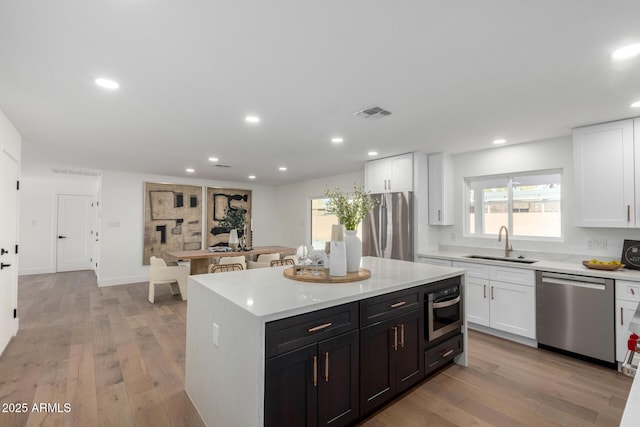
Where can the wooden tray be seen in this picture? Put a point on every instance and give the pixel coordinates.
(305, 275)
(602, 266)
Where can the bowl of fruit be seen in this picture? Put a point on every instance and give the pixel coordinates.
(603, 265)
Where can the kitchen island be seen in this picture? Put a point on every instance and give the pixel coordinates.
(228, 313)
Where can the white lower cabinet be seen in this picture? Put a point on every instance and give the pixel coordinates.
(627, 298)
(508, 304)
(477, 303)
(513, 308)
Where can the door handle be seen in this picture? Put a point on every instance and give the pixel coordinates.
(326, 366)
(3, 265)
(395, 338)
(62, 237)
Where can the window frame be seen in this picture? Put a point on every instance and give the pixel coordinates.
(310, 216)
(509, 177)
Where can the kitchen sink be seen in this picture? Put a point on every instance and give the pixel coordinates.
(499, 258)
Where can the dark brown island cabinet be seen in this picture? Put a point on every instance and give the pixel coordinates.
(391, 351)
(312, 369)
(335, 366)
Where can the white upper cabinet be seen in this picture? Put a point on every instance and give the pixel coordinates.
(440, 189)
(392, 174)
(605, 157)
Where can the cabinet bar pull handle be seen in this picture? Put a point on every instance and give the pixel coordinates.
(395, 338)
(484, 291)
(447, 353)
(628, 213)
(402, 335)
(389, 184)
(439, 215)
(621, 316)
(315, 371)
(632, 291)
(492, 292)
(326, 366)
(398, 304)
(320, 327)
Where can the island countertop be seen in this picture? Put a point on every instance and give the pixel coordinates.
(227, 315)
(268, 295)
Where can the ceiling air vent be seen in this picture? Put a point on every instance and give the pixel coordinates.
(373, 113)
(222, 166)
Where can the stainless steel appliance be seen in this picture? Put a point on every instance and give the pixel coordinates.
(576, 314)
(443, 309)
(387, 231)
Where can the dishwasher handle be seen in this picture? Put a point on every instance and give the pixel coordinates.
(574, 283)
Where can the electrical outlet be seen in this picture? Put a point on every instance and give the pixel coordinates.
(216, 334)
(597, 244)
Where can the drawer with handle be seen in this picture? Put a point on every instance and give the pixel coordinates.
(628, 291)
(442, 354)
(386, 306)
(295, 332)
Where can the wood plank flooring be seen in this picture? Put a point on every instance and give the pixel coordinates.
(119, 361)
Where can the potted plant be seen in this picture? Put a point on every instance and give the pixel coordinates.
(234, 222)
(350, 210)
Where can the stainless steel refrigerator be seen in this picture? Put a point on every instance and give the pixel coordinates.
(387, 231)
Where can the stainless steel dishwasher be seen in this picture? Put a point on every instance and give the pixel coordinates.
(576, 314)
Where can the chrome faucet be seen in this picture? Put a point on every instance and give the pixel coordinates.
(507, 247)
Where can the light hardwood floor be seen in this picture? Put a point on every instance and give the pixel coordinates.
(119, 361)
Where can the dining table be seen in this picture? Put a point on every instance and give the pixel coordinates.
(200, 259)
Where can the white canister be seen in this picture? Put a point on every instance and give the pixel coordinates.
(338, 259)
(353, 246)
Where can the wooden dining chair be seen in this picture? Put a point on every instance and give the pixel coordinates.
(281, 262)
(221, 268)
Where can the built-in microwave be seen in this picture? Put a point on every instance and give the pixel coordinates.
(443, 309)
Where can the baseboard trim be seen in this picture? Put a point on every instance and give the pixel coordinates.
(506, 335)
(33, 271)
(122, 280)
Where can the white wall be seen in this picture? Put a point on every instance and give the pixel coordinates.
(294, 204)
(546, 154)
(121, 222)
(39, 216)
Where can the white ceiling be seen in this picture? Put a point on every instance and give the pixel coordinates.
(455, 75)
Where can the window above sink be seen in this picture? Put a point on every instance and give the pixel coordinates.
(529, 203)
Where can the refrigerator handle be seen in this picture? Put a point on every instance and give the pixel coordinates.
(383, 226)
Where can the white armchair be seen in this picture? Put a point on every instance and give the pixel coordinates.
(264, 260)
(233, 260)
(173, 275)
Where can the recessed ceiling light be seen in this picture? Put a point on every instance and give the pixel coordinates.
(107, 84)
(213, 159)
(252, 177)
(337, 140)
(190, 170)
(282, 168)
(626, 52)
(499, 141)
(372, 153)
(635, 104)
(252, 119)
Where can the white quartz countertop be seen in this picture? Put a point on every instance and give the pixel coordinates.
(268, 295)
(542, 265)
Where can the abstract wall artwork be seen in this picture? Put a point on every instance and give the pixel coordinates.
(219, 202)
(172, 219)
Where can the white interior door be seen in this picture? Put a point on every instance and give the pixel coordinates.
(74, 232)
(8, 242)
